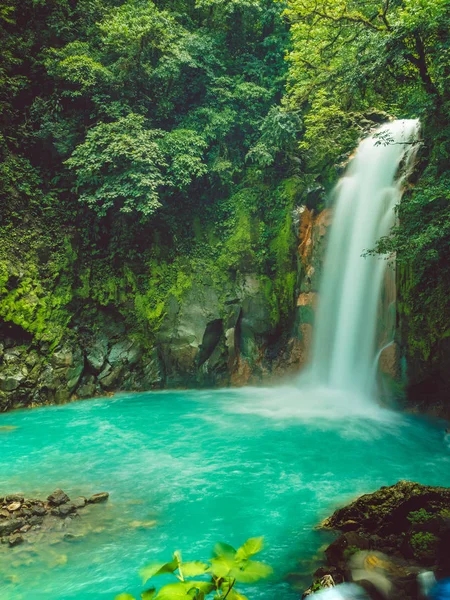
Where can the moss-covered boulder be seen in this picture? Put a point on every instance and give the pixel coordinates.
(406, 524)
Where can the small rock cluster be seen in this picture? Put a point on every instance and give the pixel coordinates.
(20, 515)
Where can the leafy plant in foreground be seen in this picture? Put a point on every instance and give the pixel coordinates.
(224, 570)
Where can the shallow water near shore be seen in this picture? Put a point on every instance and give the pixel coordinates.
(206, 466)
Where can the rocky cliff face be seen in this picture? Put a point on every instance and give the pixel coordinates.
(209, 337)
(203, 341)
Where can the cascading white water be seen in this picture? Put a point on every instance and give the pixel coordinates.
(345, 331)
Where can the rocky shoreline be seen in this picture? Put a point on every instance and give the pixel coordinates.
(399, 531)
(21, 517)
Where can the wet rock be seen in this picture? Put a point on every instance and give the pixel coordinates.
(125, 352)
(58, 497)
(96, 355)
(97, 498)
(377, 116)
(13, 506)
(14, 498)
(143, 524)
(38, 510)
(11, 381)
(71, 537)
(62, 357)
(7, 527)
(153, 373)
(15, 540)
(386, 511)
(323, 583)
(79, 502)
(66, 509)
(87, 387)
(337, 553)
(110, 376)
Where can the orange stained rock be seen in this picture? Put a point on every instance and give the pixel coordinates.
(307, 299)
(305, 235)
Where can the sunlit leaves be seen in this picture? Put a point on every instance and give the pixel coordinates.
(194, 568)
(77, 67)
(252, 546)
(136, 27)
(226, 568)
(158, 569)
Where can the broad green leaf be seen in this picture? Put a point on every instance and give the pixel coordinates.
(174, 591)
(148, 594)
(221, 549)
(124, 597)
(193, 568)
(252, 546)
(252, 571)
(221, 566)
(157, 569)
(205, 587)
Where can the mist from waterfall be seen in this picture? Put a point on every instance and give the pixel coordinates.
(344, 344)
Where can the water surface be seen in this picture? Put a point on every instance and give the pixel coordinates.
(206, 466)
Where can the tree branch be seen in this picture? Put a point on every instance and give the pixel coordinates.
(421, 64)
(384, 15)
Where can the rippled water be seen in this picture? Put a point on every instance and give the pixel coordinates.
(206, 466)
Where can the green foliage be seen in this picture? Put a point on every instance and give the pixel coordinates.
(279, 131)
(419, 516)
(424, 545)
(119, 165)
(421, 244)
(226, 568)
(183, 149)
(78, 70)
(24, 300)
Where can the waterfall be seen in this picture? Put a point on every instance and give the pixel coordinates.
(344, 344)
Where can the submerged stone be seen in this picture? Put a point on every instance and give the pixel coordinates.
(58, 497)
(97, 498)
(15, 540)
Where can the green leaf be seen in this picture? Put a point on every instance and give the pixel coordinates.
(221, 549)
(221, 566)
(251, 571)
(174, 591)
(157, 569)
(148, 594)
(252, 546)
(205, 587)
(124, 597)
(193, 568)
